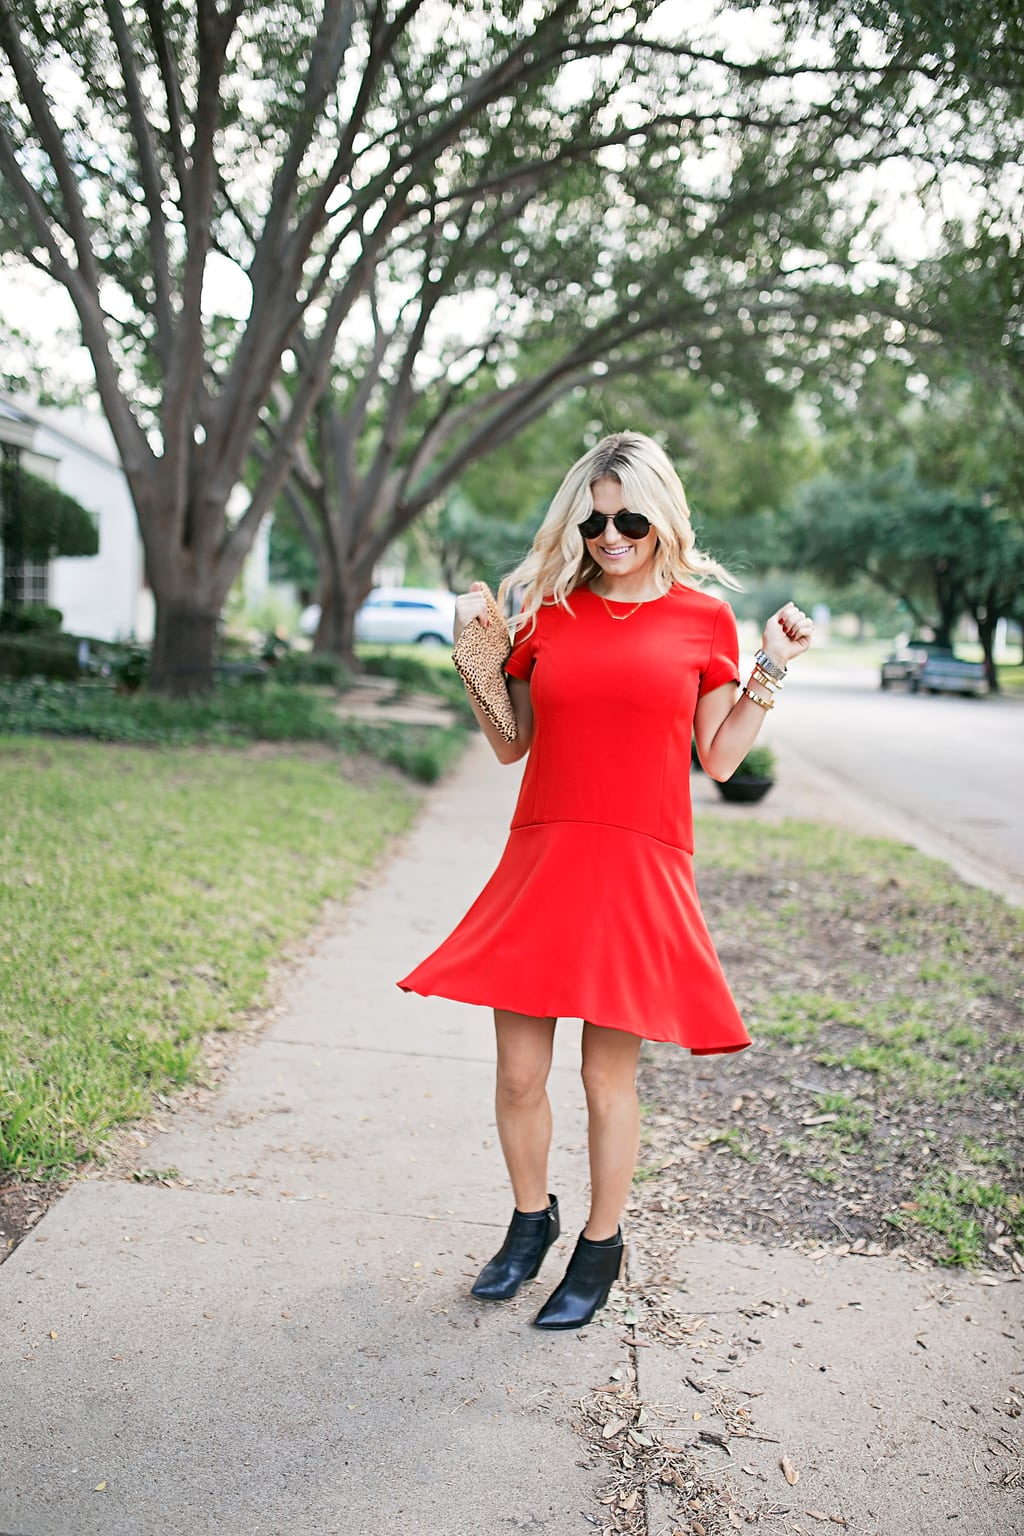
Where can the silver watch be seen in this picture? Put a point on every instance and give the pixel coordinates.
(764, 661)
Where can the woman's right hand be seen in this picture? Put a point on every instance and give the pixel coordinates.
(469, 606)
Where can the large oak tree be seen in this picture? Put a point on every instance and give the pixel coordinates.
(420, 195)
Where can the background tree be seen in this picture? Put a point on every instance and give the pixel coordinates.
(938, 550)
(617, 186)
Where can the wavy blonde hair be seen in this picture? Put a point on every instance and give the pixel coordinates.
(559, 561)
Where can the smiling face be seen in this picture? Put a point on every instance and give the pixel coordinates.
(622, 560)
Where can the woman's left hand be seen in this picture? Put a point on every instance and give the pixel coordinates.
(787, 633)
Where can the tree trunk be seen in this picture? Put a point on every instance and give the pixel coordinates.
(987, 636)
(340, 596)
(183, 646)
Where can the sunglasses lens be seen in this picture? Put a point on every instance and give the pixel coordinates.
(633, 525)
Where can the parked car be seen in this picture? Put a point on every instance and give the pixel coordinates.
(407, 616)
(924, 665)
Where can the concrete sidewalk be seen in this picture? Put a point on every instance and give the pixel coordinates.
(287, 1345)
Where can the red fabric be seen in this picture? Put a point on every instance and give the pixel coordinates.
(592, 912)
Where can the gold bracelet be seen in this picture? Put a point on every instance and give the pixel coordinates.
(758, 698)
(761, 677)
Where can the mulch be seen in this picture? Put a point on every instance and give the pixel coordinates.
(747, 1147)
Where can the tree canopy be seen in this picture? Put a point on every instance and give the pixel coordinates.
(449, 214)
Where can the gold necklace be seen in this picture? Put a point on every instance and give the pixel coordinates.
(620, 618)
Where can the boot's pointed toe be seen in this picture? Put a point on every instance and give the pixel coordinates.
(520, 1256)
(593, 1270)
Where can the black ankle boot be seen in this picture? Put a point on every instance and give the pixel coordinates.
(593, 1270)
(521, 1254)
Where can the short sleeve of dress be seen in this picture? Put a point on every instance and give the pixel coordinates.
(523, 654)
(723, 661)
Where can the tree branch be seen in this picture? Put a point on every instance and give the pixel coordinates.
(150, 176)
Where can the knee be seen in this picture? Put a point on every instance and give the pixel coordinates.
(607, 1089)
(521, 1087)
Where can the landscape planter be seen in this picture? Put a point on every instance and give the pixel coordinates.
(744, 788)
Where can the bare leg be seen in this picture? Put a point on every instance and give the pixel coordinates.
(609, 1077)
(521, 1104)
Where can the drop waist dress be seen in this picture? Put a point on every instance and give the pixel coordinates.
(592, 912)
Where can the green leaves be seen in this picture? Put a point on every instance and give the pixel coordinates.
(54, 523)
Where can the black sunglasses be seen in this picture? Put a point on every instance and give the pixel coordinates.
(632, 525)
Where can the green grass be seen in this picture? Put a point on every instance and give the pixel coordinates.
(144, 896)
(737, 1142)
(950, 1205)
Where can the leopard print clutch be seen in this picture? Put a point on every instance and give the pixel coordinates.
(479, 657)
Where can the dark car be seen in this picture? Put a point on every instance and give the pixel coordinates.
(926, 666)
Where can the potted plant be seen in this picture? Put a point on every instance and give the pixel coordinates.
(753, 778)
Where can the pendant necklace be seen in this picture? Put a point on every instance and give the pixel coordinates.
(620, 618)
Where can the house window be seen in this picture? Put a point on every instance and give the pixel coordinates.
(35, 581)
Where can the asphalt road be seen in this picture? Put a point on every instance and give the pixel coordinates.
(949, 770)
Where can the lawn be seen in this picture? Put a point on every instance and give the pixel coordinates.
(144, 897)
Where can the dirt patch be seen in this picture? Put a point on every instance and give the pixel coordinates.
(21, 1206)
(880, 1105)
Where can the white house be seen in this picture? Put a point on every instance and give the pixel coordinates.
(105, 595)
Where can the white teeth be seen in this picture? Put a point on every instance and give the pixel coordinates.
(621, 549)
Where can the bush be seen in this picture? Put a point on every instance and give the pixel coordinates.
(410, 671)
(313, 667)
(37, 618)
(229, 715)
(759, 763)
(39, 655)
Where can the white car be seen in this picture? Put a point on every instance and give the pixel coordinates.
(407, 616)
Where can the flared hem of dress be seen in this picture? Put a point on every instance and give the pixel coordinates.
(535, 943)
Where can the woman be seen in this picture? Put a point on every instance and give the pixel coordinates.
(618, 663)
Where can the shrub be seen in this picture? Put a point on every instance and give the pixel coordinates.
(39, 655)
(37, 618)
(228, 715)
(759, 763)
(313, 667)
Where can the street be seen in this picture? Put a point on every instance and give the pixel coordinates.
(946, 769)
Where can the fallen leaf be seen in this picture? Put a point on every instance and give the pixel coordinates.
(817, 1514)
(613, 1427)
(789, 1472)
(196, 1238)
(100, 1487)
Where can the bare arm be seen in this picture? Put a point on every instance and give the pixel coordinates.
(727, 722)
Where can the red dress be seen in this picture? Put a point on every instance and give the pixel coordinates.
(592, 912)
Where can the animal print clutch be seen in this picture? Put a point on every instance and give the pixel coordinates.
(480, 654)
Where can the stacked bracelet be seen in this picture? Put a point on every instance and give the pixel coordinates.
(766, 680)
(766, 664)
(767, 674)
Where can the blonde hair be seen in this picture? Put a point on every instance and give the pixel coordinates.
(559, 561)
